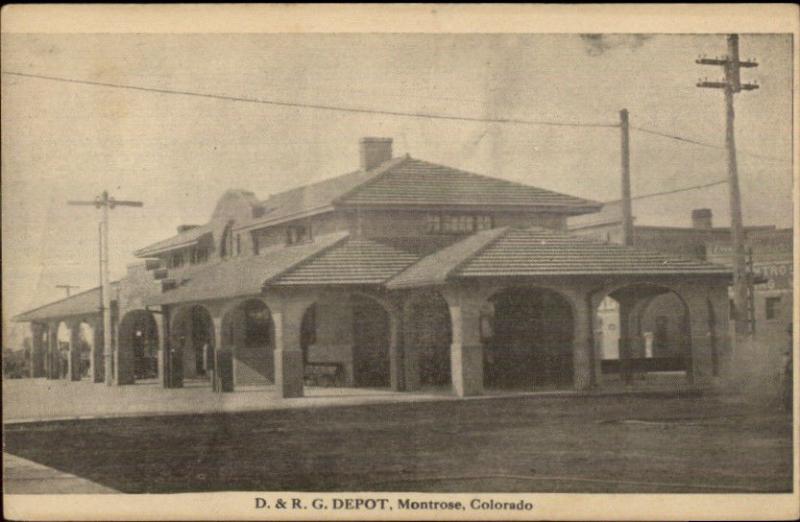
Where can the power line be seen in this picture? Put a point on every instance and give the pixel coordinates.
(704, 144)
(675, 191)
(516, 121)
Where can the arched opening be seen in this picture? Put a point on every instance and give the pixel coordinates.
(192, 337)
(62, 350)
(643, 335)
(371, 337)
(531, 346)
(86, 341)
(428, 333)
(247, 331)
(137, 355)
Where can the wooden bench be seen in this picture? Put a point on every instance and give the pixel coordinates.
(323, 374)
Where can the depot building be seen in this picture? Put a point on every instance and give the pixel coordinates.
(403, 274)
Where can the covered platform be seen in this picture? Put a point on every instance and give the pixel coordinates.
(502, 310)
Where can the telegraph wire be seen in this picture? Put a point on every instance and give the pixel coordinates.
(300, 105)
(704, 144)
(674, 191)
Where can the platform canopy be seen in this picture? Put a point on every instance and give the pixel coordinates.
(78, 305)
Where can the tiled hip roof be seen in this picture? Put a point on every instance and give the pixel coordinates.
(536, 251)
(420, 183)
(354, 262)
(245, 275)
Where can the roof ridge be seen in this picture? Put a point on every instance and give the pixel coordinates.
(497, 232)
(380, 171)
(301, 187)
(307, 259)
(502, 232)
(507, 181)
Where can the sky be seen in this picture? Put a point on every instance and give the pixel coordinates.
(176, 153)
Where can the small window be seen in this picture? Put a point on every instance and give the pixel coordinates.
(238, 244)
(254, 240)
(226, 243)
(176, 260)
(483, 222)
(198, 255)
(772, 306)
(434, 223)
(297, 234)
(457, 223)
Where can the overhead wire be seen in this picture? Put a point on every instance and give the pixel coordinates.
(302, 105)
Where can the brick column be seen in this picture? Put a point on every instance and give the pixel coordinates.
(74, 357)
(38, 350)
(287, 316)
(466, 350)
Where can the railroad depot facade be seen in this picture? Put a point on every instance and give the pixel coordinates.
(403, 274)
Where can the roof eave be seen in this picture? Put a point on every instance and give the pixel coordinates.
(561, 209)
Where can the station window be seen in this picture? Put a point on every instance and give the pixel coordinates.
(457, 223)
(198, 255)
(772, 307)
(176, 260)
(297, 234)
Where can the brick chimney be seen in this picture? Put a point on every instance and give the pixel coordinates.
(374, 151)
(701, 218)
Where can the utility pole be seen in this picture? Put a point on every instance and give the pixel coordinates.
(627, 211)
(731, 85)
(68, 288)
(106, 203)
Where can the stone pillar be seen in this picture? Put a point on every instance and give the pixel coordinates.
(222, 365)
(74, 358)
(96, 356)
(466, 350)
(287, 316)
(719, 301)
(125, 359)
(53, 358)
(189, 352)
(38, 350)
(699, 352)
(625, 341)
(396, 367)
(583, 344)
(172, 357)
(411, 374)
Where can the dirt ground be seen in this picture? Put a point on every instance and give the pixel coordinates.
(525, 444)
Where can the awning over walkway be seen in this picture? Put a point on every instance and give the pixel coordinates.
(535, 251)
(244, 275)
(82, 304)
